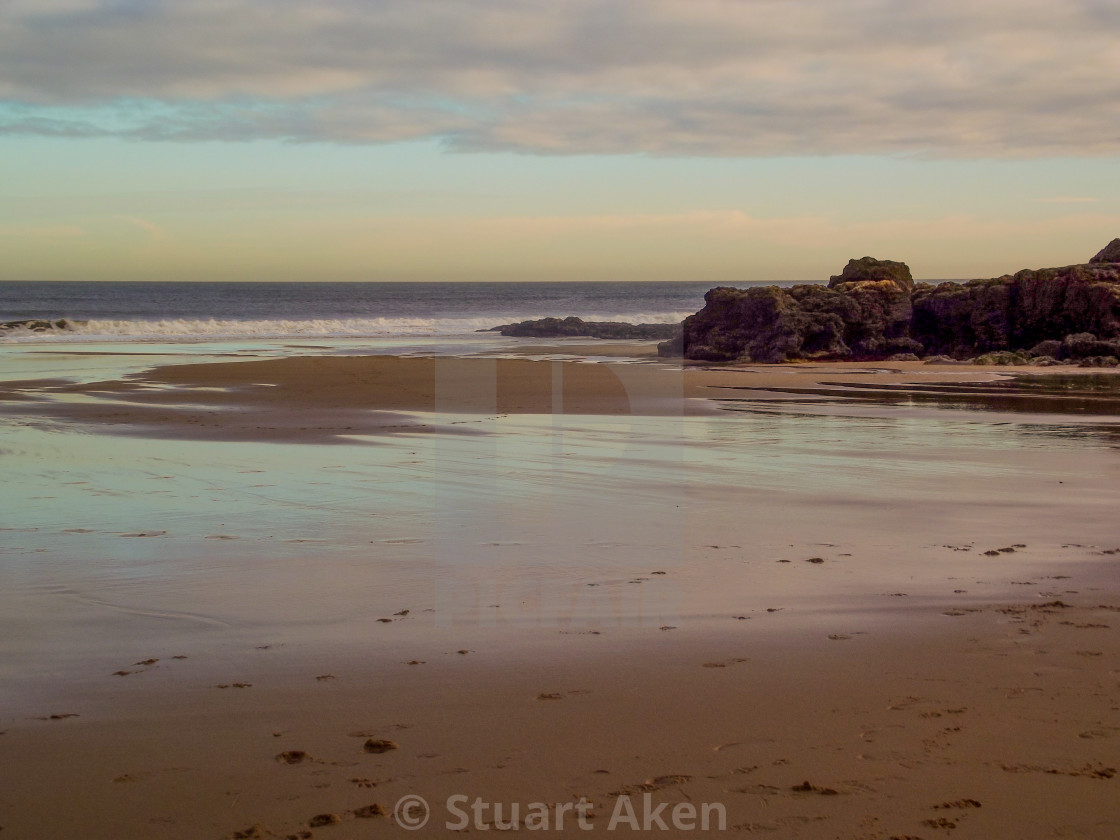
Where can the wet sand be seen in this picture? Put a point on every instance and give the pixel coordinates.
(324, 397)
(996, 721)
(835, 617)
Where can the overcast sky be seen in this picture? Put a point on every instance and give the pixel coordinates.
(721, 140)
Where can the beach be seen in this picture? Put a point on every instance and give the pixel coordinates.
(843, 600)
(578, 419)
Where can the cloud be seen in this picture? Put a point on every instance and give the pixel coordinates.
(1068, 199)
(149, 227)
(955, 78)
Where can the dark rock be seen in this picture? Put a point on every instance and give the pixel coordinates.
(573, 327)
(881, 290)
(825, 316)
(673, 348)
(874, 310)
(1051, 347)
(751, 324)
(871, 270)
(36, 325)
(961, 319)
(1099, 361)
(1086, 345)
(904, 357)
(1003, 357)
(1110, 253)
(1055, 302)
(863, 313)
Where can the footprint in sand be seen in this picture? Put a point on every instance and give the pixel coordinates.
(652, 785)
(725, 663)
(368, 811)
(806, 787)
(958, 803)
(377, 746)
(1094, 733)
(940, 822)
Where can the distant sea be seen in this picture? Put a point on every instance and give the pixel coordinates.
(160, 311)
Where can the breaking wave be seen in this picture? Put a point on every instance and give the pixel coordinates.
(186, 330)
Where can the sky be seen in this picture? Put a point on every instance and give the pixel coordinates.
(714, 140)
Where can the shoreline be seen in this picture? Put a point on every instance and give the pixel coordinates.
(331, 398)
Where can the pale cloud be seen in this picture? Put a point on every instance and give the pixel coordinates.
(147, 226)
(1068, 199)
(955, 78)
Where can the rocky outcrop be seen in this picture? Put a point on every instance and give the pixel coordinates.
(957, 319)
(573, 327)
(1110, 253)
(881, 290)
(862, 313)
(37, 325)
(874, 310)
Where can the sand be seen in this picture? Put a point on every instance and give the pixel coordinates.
(323, 397)
(926, 649)
(998, 722)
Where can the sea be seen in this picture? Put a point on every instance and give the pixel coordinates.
(210, 311)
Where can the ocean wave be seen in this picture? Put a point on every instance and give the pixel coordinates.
(187, 330)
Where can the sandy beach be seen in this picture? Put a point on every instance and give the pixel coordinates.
(581, 419)
(846, 600)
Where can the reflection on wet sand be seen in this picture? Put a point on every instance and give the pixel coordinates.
(1060, 394)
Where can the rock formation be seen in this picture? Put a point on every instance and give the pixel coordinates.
(1110, 253)
(37, 325)
(577, 327)
(874, 310)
